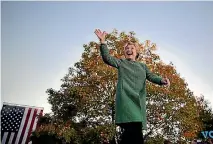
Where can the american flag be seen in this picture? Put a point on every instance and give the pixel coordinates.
(17, 123)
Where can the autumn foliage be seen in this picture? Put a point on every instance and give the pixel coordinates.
(87, 94)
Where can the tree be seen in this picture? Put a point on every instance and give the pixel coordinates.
(88, 92)
(205, 115)
(158, 139)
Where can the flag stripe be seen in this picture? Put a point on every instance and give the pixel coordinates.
(35, 123)
(22, 125)
(4, 138)
(8, 137)
(25, 125)
(2, 134)
(11, 138)
(28, 126)
(14, 138)
(39, 113)
(31, 125)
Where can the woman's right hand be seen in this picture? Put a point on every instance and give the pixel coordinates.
(101, 35)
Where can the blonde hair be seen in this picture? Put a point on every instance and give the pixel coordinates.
(136, 45)
(132, 43)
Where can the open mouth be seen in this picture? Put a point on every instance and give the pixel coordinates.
(129, 53)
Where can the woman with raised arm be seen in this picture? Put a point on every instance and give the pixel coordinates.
(130, 105)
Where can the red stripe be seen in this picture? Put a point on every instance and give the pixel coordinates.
(25, 125)
(14, 138)
(2, 134)
(8, 137)
(31, 125)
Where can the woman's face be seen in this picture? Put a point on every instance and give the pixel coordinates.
(130, 52)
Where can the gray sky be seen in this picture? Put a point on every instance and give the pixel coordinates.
(40, 40)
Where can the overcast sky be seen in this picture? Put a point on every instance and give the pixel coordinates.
(40, 40)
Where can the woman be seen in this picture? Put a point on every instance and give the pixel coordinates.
(130, 105)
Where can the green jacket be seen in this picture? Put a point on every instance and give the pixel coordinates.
(130, 103)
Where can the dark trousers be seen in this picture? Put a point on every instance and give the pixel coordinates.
(131, 133)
